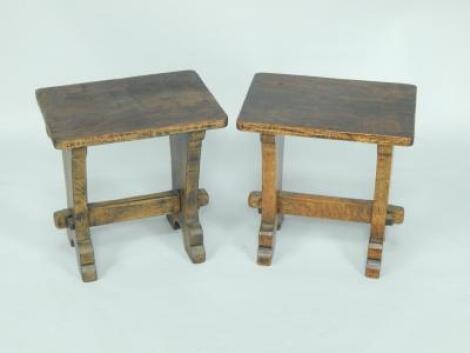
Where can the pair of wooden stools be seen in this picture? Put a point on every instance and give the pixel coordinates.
(179, 105)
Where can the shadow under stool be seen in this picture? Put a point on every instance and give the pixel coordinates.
(373, 112)
(176, 104)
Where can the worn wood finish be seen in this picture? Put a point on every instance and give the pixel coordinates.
(126, 209)
(379, 210)
(176, 104)
(128, 109)
(76, 183)
(339, 208)
(272, 153)
(280, 172)
(185, 165)
(67, 164)
(374, 112)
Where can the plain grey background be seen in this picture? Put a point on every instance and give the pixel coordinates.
(149, 297)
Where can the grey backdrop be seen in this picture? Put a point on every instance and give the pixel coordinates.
(149, 298)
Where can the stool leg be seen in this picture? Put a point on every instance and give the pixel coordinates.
(185, 161)
(379, 210)
(75, 174)
(272, 152)
(67, 161)
(280, 168)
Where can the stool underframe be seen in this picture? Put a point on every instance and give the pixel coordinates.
(273, 204)
(180, 205)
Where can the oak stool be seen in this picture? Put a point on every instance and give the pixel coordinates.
(372, 112)
(176, 104)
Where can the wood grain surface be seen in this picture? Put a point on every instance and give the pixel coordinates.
(128, 109)
(330, 207)
(185, 167)
(76, 184)
(272, 148)
(374, 112)
(379, 210)
(127, 209)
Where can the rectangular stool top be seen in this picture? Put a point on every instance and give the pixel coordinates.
(128, 109)
(375, 112)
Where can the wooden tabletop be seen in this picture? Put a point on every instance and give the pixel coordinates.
(128, 109)
(374, 112)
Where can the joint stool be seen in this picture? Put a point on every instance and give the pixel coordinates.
(374, 112)
(176, 104)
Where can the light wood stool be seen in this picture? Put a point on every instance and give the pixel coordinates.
(373, 112)
(176, 104)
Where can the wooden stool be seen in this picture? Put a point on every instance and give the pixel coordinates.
(374, 112)
(176, 104)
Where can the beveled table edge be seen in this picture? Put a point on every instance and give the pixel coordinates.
(68, 143)
(301, 131)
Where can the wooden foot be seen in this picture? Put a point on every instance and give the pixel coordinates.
(379, 211)
(374, 260)
(272, 155)
(265, 256)
(86, 260)
(79, 233)
(193, 242)
(266, 245)
(185, 162)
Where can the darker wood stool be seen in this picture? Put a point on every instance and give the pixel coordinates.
(176, 104)
(373, 112)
